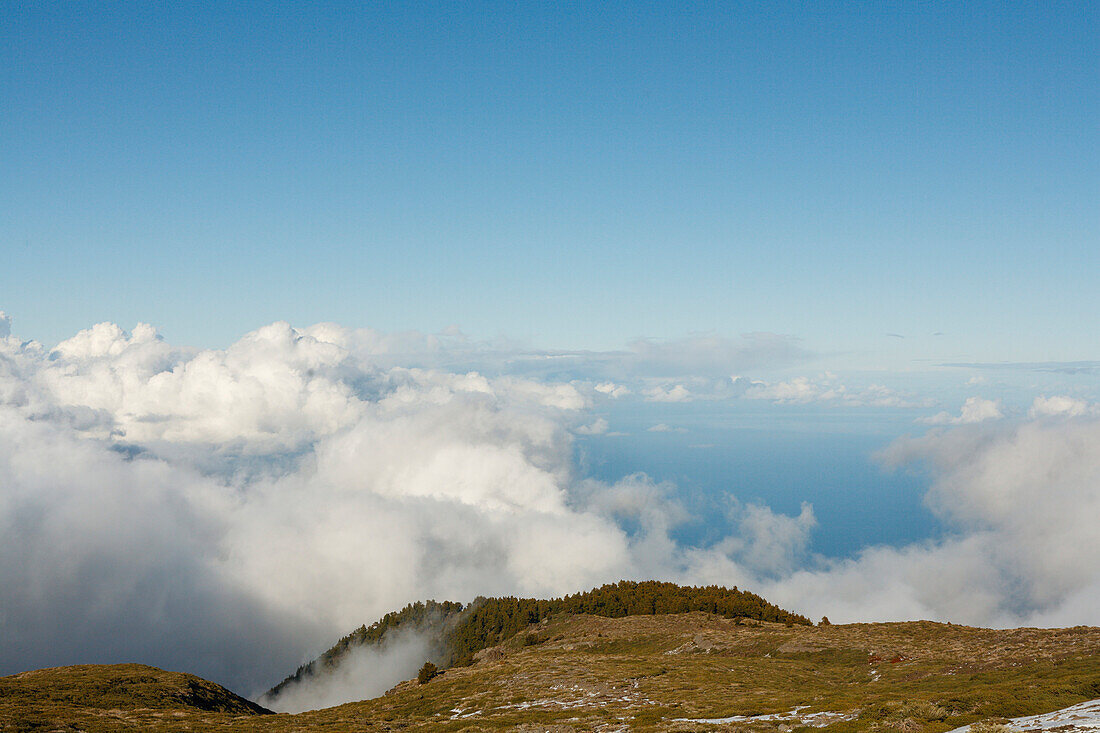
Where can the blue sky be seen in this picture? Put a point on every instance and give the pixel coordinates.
(572, 176)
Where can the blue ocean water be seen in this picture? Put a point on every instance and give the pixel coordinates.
(779, 456)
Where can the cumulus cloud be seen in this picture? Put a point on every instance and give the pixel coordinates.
(612, 390)
(5, 325)
(974, 410)
(598, 426)
(275, 389)
(770, 544)
(1060, 405)
(673, 393)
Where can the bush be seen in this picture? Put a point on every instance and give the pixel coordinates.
(427, 672)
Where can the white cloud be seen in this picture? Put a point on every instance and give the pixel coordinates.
(974, 410)
(103, 558)
(665, 428)
(1060, 405)
(275, 389)
(707, 356)
(825, 389)
(799, 389)
(1023, 499)
(1020, 500)
(674, 393)
(5, 325)
(710, 355)
(560, 396)
(598, 426)
(615, 391)
(770, 544)
(364, 672)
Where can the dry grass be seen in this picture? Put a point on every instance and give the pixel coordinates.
(646, 672)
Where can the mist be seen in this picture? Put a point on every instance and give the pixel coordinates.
(364, 672)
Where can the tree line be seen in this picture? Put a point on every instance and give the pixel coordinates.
(489, 621)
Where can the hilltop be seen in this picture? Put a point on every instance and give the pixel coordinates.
(455, 634)
(100, 697)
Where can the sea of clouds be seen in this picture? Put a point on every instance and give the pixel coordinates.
(233, 512)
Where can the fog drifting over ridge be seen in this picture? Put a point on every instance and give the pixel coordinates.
(231, 512)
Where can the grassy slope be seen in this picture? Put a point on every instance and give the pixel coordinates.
(643, 672)
(96, 697)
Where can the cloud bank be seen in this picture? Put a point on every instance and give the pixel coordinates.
(1021, 498)
(232, 512)
(825, 389)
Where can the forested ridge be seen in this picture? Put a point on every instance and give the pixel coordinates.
(488, 621)
(458, 632)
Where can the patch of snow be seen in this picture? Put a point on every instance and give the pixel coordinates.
(813, 720)
(1083, 716)
(460, 713)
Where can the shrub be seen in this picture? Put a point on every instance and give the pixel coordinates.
(427, 672)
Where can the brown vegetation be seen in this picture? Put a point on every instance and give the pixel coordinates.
(659, 673)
